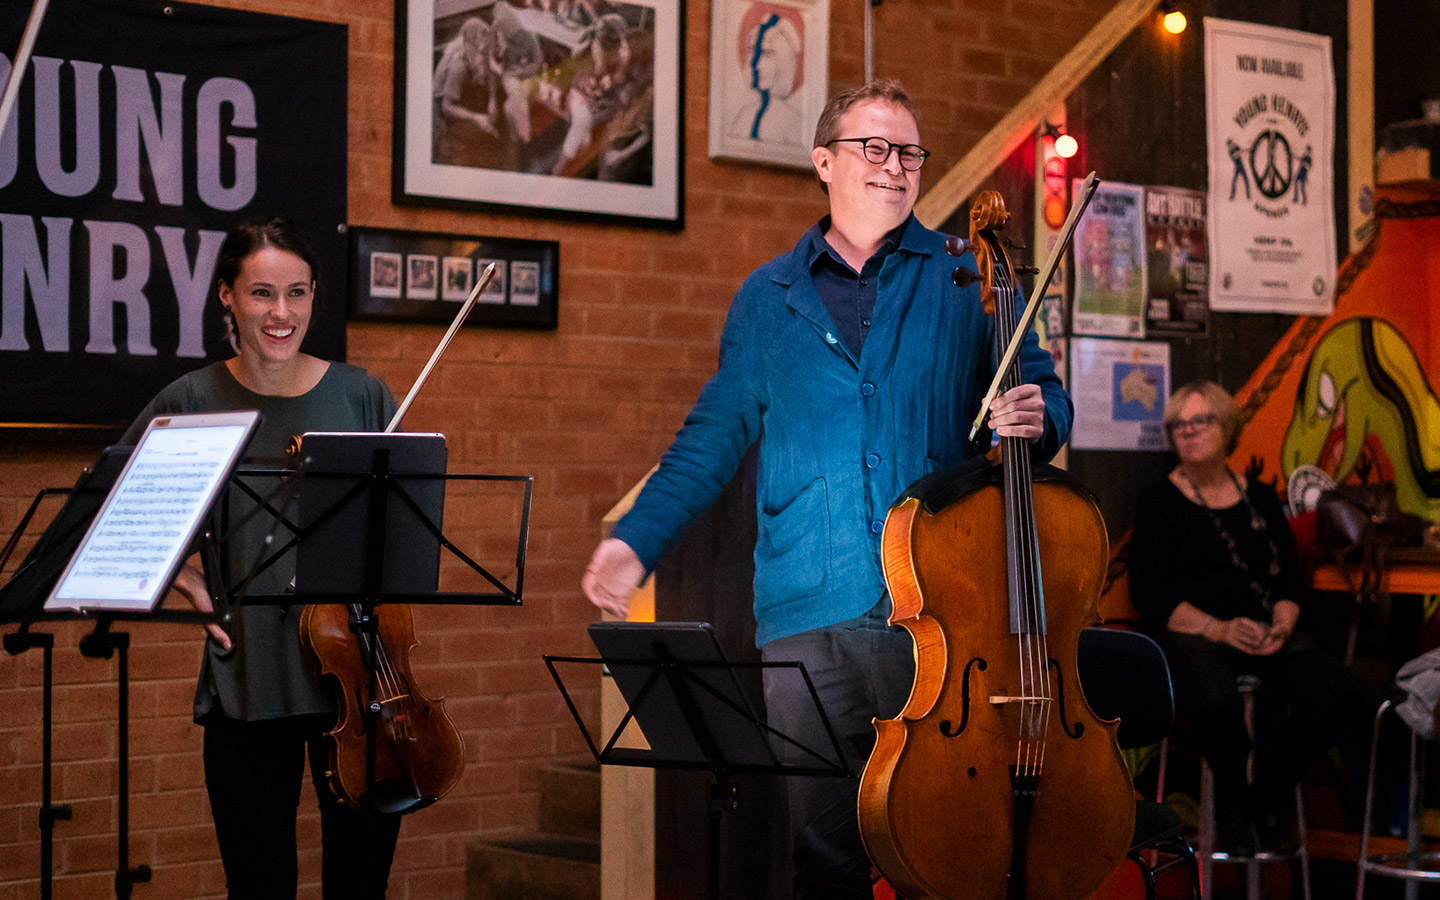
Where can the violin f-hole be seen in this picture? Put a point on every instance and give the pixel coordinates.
(1079, 729)
(964, 701)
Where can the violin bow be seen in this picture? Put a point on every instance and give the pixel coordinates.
(22, 59)
(1047, 274)
(485, 278)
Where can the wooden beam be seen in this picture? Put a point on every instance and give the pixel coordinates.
(961, 181)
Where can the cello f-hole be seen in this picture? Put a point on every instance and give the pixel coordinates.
(1079, 729)
(945, 729)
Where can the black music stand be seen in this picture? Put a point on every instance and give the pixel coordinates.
(383, 495)
(22, 600)
(685, 696)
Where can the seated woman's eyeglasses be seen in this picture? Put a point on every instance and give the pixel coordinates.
(1194, 423)
(877, 150)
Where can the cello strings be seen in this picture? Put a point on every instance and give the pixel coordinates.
(1021, 540)
(1019, 590)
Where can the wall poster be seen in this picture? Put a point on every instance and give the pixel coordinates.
(1177, 270)
(1270, 128)
(769, 62)
(1119, 389)
(1110, 262)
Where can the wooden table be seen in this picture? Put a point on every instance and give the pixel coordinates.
(1404, 578)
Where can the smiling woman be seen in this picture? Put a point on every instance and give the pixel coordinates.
(260, 700)
(269, 303)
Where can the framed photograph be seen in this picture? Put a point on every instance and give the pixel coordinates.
(495, 291)
(566, 107)
(459, 277)
(421, 281)
(385, 274)
(524, 293)
(769, 61)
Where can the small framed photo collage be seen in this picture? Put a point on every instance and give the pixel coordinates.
(417, 276)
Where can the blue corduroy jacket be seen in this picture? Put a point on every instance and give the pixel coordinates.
(840, 437)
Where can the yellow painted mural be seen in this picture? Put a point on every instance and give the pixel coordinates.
(1354, 393)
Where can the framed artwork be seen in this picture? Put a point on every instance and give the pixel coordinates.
(769, 61)
(417, 276)
(563, 107)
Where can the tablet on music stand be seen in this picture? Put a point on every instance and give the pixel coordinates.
(32, 580)
(336, 514)
(151, 517)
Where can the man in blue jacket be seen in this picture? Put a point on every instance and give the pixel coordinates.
(856, 365)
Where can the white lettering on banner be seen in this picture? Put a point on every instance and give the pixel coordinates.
(214, 94)
(50, 292)
(115, 283)
(138, 122)
(86, 131)
(48, 280)
(164, 138)
(192, 286)
(151, 125)
(9, 144)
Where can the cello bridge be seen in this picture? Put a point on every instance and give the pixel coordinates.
(1001, 698)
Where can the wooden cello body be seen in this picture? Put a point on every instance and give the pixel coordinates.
(996, 780)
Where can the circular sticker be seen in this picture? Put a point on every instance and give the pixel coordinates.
(1305, 486)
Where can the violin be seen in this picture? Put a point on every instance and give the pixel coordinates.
(418, 752)
(392, 748)
(996, 779)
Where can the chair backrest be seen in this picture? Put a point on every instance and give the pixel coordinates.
(1125, 676)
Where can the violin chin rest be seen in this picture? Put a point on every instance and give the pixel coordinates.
(396, 797)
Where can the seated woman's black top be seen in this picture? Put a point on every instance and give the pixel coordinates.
(1178, 553)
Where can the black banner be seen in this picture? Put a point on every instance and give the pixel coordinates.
(143, 132)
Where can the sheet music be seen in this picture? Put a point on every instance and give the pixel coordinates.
(136, 542)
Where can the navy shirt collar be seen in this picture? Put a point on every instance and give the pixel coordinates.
(899, 238)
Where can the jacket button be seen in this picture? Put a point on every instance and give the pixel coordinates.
(877, 526)
(872, 460)
(829, 337)
(867, 389)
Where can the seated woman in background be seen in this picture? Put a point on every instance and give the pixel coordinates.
(1213, 571)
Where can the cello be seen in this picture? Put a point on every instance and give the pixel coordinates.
(392, 749)
(996, 780)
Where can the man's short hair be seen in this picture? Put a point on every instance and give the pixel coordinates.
(886, 89)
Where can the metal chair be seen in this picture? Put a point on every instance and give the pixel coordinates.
(1410, 865)
(1125, 676)
(1254, 864)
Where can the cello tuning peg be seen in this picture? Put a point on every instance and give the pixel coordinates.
(956, 246)
(1012, 244)
(1026, 270)
(963, 277)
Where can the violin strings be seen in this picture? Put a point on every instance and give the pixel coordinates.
(387, 682)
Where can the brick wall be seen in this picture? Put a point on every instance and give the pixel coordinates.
(586, 410)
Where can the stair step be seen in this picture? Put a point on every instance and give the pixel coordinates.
(570, 797)
(542, 867)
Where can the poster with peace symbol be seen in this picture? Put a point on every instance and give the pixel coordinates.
(1270, 128)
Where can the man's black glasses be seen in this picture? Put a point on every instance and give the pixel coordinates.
(877, 150)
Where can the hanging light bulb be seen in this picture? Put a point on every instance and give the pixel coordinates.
(1065, 145)
(1173, 19)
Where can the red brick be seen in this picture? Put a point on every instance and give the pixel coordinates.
(586, 409)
